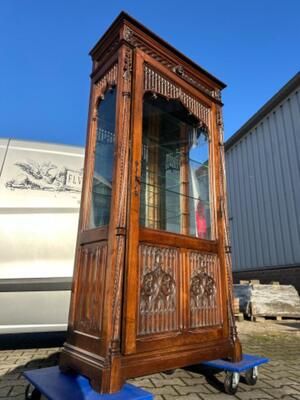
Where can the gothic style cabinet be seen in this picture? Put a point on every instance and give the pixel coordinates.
(152, 281)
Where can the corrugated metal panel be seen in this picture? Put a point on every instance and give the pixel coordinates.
(263, 170)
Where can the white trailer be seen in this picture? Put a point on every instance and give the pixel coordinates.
(40, 190)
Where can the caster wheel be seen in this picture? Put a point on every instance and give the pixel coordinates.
(32, 393)
(251, 376)
(169, 372)
(231, 382)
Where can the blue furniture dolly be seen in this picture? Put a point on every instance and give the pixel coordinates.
(249, 365)
(55, 385)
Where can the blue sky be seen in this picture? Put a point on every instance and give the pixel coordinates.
(253, 46)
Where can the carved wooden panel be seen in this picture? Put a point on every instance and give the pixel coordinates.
(90, 288)
(205, 290)
(158, 291)
(154, 81)
(109, 78)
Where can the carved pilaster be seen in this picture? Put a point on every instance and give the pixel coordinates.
(224, 211)
(122, 186)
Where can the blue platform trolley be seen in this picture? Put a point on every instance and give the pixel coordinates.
(248, 366)
(55, 385)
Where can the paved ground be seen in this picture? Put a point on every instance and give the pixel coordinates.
(280, 379)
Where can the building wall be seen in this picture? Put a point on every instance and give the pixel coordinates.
(263, 174)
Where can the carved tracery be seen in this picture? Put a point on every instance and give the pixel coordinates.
(157, 306)
(108, 80)
(157, 83)
(158, 288)
(204, 289)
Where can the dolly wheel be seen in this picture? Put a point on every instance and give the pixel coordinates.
(32, 393)
(231, 382)
(251, 376)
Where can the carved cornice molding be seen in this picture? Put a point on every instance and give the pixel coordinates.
(106, 53)
(132, 38)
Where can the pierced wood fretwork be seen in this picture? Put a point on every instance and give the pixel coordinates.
(90, 289)
(106, 81)
(155, 82)
(158, 304)
(204, 290)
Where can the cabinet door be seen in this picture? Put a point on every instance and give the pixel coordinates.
(87, 302)
(174, 291)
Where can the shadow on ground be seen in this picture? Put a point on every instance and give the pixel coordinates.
(294, 325)
(32, 340)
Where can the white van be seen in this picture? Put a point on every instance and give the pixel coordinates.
(40, 189)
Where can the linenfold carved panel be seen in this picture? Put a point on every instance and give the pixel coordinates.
(204, 290)
(158, 289)
(153, 81)
(90, 288)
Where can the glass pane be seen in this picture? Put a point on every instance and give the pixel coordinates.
(104, 158)
(175, 170)
(200, 218)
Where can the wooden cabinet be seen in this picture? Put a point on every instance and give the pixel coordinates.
(152, 281)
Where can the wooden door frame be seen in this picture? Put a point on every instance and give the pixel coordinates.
(129, 334)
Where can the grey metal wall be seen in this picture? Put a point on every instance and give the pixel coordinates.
(263, 176)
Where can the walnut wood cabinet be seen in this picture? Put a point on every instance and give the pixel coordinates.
(152, 286)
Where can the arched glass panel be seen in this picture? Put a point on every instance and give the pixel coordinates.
(175, 193)
(104, 160)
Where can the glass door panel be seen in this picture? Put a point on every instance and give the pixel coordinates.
(175, 169)
(104, 158)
